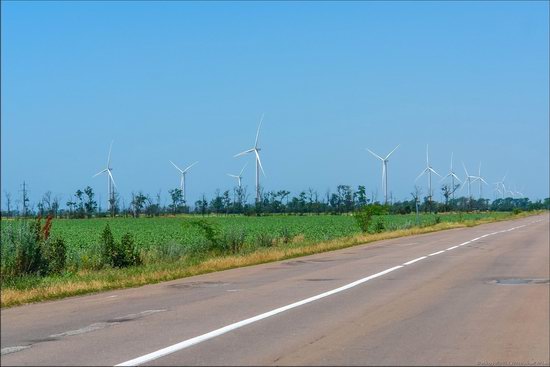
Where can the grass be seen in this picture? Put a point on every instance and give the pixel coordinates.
(18, 291)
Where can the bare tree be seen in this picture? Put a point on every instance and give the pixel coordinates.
(8, 203)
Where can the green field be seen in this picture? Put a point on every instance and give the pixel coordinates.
(172, 237)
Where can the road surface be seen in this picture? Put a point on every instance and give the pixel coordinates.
(469, 296)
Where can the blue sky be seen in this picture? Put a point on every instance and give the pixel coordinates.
(188, 81)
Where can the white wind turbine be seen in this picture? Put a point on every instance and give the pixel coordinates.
(500, 186)
(110, 181)
(384, 171)
(468, 180)
(453, 176)
(255, 150)
(239, 176)
(429, 169)
(481, 181)
(182, 180)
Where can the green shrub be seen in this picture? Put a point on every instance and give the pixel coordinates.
(379, 226)
(286, 235)
(233, 241)
(363, 216)
(27, 248)
(56, 255)
(264, 239)
(119, 254)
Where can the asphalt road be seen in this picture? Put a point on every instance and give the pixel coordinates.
(485, 302)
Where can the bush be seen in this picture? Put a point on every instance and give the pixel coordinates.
(27, 248)
(119, 254)
(379, 226)
(56, 255)
(234, 241)
(286, 235)
(264, 239)
(363, 215)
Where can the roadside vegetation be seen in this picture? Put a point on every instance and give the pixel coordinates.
(54, 258)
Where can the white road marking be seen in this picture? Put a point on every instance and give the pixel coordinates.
(9, 350)
(415, 260)
(436, 253)
(189, 342)
(201, 338)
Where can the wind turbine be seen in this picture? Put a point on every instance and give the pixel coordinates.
(239, 176)
(110, 181)
(468, 179)
(500, 184)
(384, 171)
(182, 180)
(255, 150)
(481, 180)
(429, 171)
(453, 175)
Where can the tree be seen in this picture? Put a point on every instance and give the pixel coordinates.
(90, 205)
(8, 203)
(177, 200)
(360, 196)
(80, 205)
(138, 202)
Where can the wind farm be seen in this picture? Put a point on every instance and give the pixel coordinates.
(274, 183)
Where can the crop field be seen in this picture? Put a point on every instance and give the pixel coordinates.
(165, 238)
(170, 238)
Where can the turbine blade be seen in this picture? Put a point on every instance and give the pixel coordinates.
(243, 153)
(112, 179)
(187, 169)
(109, 157)
(179, 169)
(421, 174)
(100, 172)
(455, 176)
(259, 161)
(427, 159)
(449, 174)
(258, 132)
(465, 170)
(431, 169)
(394, 149)
(376, 155)
(240, 174)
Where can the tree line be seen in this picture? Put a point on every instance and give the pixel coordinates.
(345, 199)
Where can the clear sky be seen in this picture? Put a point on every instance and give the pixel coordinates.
(188, 82)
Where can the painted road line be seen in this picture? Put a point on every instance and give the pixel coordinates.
(436, 253)
(189, 342)
(415, 260)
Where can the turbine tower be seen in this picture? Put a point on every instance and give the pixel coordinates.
(384, 171)
(481, 181)
(429, 171)
(259, 167)
(468, 179)
(182, 180)
(453, 176)
(239, 176)
(110, 182)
